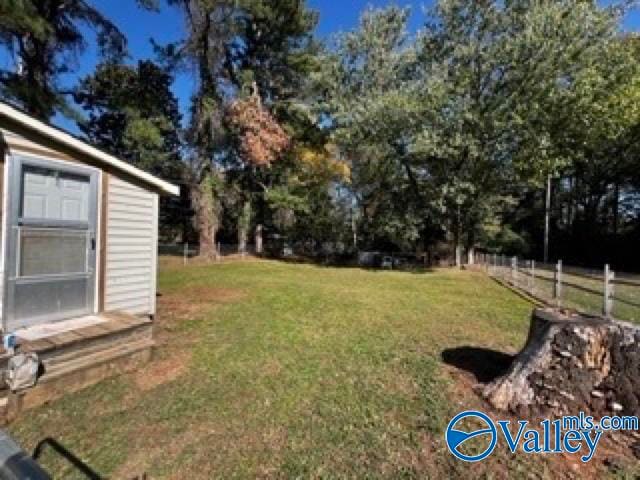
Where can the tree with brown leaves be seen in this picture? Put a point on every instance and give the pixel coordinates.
(262, 139)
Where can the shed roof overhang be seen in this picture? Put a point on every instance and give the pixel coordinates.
(66, 139)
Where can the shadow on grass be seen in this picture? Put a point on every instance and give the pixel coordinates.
(302, 260)
(483, 363)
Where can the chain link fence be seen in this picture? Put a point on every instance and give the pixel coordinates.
(591, 291)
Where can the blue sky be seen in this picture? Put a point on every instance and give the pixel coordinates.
(167, 26)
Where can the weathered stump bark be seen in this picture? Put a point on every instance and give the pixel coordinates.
(572, 363)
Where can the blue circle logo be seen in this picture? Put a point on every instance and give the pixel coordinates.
(456, 438)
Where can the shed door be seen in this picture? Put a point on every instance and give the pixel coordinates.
(51, 255)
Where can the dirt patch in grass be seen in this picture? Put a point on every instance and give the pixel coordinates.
(161, 371)
(158, 446)
(190, 302)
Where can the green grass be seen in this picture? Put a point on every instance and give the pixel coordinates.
(293, 371)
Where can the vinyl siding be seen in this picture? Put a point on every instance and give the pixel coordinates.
(20, 143)
(131, 248)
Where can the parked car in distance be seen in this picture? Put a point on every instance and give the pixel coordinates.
(387, 262)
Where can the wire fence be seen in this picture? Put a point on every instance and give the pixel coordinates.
(591, 291)
(188, 251)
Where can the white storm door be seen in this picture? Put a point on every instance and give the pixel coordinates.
(51, 254)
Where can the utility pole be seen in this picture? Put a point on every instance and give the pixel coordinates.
(547, 218)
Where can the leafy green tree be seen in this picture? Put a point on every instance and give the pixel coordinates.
(441, 130)
(498, 74)
(274, 47)
(374, 109)
(44, 37)
(596, 135)
(133, 114)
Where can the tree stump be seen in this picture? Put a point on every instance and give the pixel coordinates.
(572, 363)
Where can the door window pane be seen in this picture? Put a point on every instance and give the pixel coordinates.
(53, 195)
(51, 251)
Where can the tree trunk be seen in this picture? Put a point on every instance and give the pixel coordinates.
(206, 217)
(616, 207)
(572, 363)
(457, 234)
(354, 230)
(570, 207)
(547, 219)
(259, 239)
(244, 222)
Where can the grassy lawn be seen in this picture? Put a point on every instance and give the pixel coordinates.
(267, 369)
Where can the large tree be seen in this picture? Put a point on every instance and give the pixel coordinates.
(204, 51)
(596, 134)
(239, 49)
(269, 60)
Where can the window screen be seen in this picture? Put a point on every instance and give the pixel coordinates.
(51, 251)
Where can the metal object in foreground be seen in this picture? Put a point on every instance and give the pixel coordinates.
(16, 464)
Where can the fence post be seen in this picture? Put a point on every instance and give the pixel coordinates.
(514, 270)
(557, 290)
(532, 275)
(609, 276)
(219, 253)
(185, 254)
